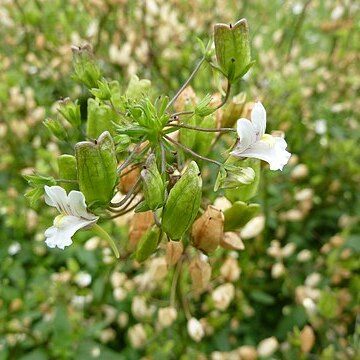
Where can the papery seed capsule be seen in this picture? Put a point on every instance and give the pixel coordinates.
(173, 252)
(67, 171)
(207, 230)
(148, 243)
(200, 272)
(97, 169)
(233, 111)
(183, 203)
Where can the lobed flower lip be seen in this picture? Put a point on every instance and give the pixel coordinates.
(254, 143)
(73, 216)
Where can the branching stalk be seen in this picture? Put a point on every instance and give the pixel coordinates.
(186, 83)
(193, 153)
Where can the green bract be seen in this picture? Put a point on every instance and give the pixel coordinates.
(183, 203)
(97, 169)
(232, 47)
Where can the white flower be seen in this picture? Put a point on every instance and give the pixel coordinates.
(73, 216)
(254, 143)
(195, 329)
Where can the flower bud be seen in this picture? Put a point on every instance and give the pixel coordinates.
(67, 171)
(223, 295)
(153, 185)
(140, 223)
(245, 190)
(232, 177)
(183, 203)
(100, 118)
(97, 169)
(137, 336)
(173, 251)
(207, 230)
(230, 270)
(233, 111)
(232, 47)
(148, 244)
(239, 214)
(307, 339)
(195, 329)
(86, 69)
(56, 128)
(200, 272)
(267, 346)
(70, 111)
(167, 316)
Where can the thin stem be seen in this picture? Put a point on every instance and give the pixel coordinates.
(186, 82)
(117, 211)
(133, 167)
(179, 113)
(175, 282)
(127, 196)
(203, 129)
(193, 153)
(126, 211)
(163, 160)
(228, 89)
(66, 181)
(129, 158)
(104, 235)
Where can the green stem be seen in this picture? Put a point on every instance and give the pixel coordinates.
(193, 153)
(186, 82)
(104, 235)
(203, 129)
(228, 89)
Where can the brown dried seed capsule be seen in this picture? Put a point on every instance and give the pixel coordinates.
(173, 252)
(207, 230)
(200, 272)
(128, 177)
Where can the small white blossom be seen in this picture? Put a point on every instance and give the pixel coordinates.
(254, 143)
(14, 248)
(195, 329)
(73, 216)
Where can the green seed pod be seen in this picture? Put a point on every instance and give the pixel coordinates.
(183, 203)
(70, 111)
(100, 118)
(153, 185)
(56, 128)
(204, 139)
(148, 243)
(87, 71)
(68, 171)
(97, 169)
(232, 47)
(239, 214)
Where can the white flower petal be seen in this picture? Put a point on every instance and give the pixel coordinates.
(258, 119)
(77, 205)
(64, 228)
(56, 196)
(246, 133)
(270, 149)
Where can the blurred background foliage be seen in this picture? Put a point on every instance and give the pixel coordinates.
(299, 284)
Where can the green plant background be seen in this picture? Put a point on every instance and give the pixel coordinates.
(307, 76)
